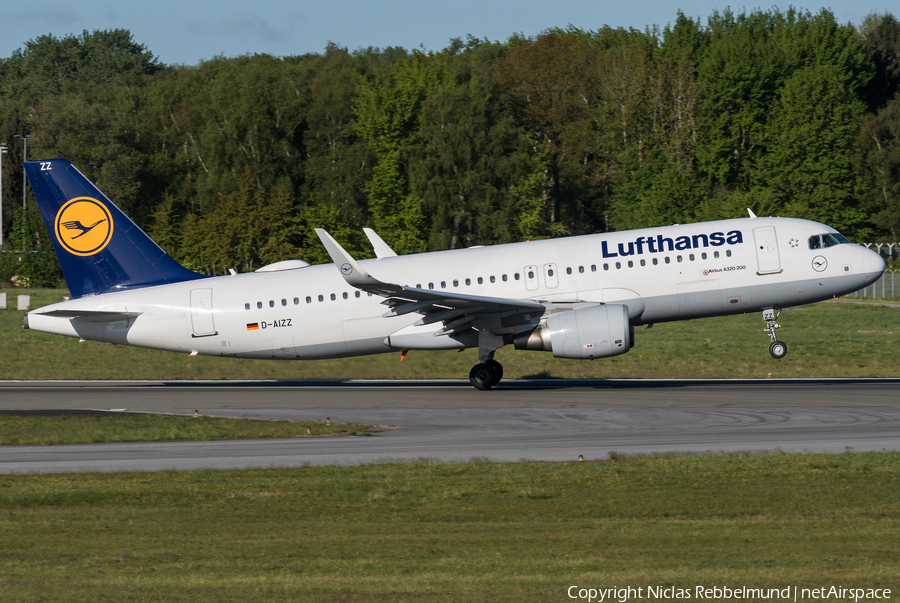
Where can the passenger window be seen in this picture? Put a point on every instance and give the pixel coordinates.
(480, 281)
(505, 278)
(581, 270)
(356, 294)
(455, 283)
(550, 272)
(593, 267)
(703, 256)
(283, 302)
(643, 262)
(345, 295)
(691, 257)
(321, 299)
(606, 266)
(516, 276)
(618, 265)
(679, 258)
(296, 301)
(728, 252)
(333, 297)
(716, 254)
(418, 285)
(493, 280)
(246, 306)
(443, 284)
(530, 274)
(668, 260)
(271, 303)
(630, 264)
(655, 261)
(568, 271)
(308, 299)
(431, 285)
(468, 282)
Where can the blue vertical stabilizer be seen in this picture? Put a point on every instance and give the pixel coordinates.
(100, 250)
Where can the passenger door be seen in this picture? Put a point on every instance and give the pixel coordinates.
(202, 313)
(767, 250)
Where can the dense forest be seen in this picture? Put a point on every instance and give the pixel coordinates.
(231, 163)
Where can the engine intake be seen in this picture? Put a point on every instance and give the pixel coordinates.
(584, 333)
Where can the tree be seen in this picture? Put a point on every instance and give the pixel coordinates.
(809, 163)
(878, 162)
(50, 65)
(881, 36)
(547, 83)
(387, 116)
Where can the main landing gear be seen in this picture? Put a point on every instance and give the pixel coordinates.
(778, 349)
(486, 374)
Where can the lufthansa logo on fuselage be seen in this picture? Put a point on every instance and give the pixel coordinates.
(83, 226)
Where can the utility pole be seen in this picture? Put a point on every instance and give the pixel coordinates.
(24, 182)
(2, 152)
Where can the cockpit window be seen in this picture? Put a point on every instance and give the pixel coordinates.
(826, 240)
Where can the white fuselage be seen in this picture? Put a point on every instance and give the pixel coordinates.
(312, 312)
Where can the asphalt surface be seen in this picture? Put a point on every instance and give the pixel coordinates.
(546, 420)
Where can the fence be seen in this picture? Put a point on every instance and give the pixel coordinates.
(887, 287)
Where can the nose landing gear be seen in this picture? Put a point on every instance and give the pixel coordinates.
(778, 349)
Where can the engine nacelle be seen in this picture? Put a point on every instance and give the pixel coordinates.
(583, 333)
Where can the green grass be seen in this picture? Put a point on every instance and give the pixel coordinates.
(824, 340)
(66, 429)
(452, 532)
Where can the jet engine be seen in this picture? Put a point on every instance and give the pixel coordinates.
(584, 333)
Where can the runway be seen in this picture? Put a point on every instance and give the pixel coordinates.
(549, 420)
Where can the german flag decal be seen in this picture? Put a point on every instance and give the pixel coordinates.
(253, 326)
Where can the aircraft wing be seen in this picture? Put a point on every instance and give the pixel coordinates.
(457, 311)
(382, 249)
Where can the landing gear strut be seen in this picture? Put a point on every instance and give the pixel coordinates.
(778, 349)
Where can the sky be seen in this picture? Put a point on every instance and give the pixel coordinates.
(189, 31)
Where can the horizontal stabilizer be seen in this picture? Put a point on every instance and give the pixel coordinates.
(91, 315)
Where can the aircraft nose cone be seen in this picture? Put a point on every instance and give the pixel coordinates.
(874, 264)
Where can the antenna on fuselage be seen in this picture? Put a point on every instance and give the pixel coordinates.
(750, 211)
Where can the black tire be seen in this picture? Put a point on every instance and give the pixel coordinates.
(778, 349)
(498, 368)
(483, 376)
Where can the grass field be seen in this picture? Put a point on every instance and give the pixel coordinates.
(67, 429)
(825, 340)
(452, 532)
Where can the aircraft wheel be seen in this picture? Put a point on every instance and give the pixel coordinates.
(483, 376)
(778, 349)
(497, 367)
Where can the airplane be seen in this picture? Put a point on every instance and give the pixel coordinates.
(577, 297)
